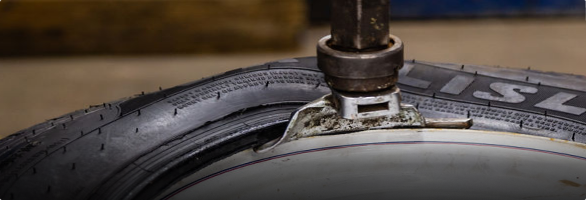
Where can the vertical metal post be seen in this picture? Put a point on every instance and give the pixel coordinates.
(360, 25)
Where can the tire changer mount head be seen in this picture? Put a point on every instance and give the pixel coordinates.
(360, 60)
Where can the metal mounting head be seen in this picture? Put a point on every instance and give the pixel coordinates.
(360, 71)
(321, 117)
(357, 105)
(360, 61)
(360, 55)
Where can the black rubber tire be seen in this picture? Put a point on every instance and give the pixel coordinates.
(135, 148)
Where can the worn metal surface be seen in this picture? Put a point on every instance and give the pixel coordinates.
(321, 117)
(360, 71)
(360, 25)
(358, 105)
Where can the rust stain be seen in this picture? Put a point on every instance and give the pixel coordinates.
(570, 183)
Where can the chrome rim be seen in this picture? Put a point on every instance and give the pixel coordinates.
(403, 163)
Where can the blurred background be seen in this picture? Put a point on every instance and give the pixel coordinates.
(57, 56)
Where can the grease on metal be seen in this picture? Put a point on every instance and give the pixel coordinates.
(570, 183)
(320, 117)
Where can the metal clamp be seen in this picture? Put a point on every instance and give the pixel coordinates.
(366, 105)
(321, 117)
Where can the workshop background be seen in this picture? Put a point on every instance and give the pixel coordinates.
(57, 56)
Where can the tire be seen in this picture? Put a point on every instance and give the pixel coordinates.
(134, 148)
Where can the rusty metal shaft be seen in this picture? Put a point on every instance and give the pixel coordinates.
(360, 25)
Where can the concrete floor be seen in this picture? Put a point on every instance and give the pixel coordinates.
(35, 89)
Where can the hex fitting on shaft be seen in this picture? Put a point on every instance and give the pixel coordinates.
(360, 55)
(360, 71)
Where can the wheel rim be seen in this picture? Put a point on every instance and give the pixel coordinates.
(409, 163)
